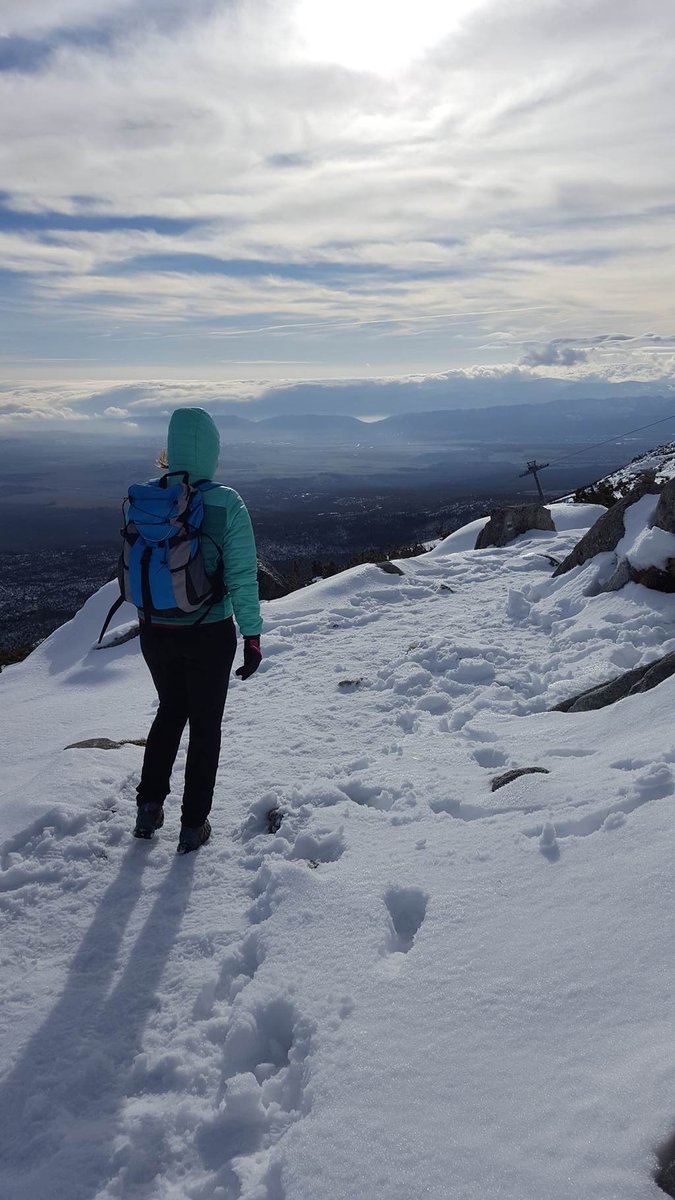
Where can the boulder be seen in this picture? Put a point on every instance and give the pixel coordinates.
(506, 524)
(631, 683)
(607, 532)
(655, 578)
(660, 579)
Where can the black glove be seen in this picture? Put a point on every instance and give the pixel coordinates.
(252, 657)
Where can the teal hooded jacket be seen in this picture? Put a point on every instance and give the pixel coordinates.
(193, 446)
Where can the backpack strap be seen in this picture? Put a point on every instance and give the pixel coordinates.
(206, 485)
(120, 599)
(163, 481)
(113, 609)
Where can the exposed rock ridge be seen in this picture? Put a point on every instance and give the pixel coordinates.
(631, 683)
(607, 532)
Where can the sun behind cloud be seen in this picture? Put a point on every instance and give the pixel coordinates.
(381, 36)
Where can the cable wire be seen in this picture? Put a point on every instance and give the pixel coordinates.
(608, 441)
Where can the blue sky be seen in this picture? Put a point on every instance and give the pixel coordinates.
(217, 198)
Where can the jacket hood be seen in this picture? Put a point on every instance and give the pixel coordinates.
(193, 443)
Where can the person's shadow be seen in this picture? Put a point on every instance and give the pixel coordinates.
(59, 1105)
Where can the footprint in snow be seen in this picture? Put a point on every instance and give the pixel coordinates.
(490, 756)
(406, 910)
(265, 1073)
(239, 967)
(369, 795)
(39, 839)
(58, 848)
(266, 897)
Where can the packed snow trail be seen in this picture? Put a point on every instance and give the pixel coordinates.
(415, 987)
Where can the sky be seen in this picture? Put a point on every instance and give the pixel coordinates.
(230, 198)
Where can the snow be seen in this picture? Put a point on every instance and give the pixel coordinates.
(642, 546)
(416, 987)
(568, 516)
(461, 539)
(661, 460)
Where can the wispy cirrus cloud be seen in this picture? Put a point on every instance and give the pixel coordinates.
(189, 186)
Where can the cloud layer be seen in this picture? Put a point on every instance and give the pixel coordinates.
(141, 404)
(199, 191)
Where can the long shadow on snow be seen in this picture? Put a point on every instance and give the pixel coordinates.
(59, 1105)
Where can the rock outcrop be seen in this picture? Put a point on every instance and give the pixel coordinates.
(631, 683)
(660, 578)
(607, 532)
(632, 567)
(664, 515)
(506, 524)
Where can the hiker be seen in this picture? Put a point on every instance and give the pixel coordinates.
(190, 656)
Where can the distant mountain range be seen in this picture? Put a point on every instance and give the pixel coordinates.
(579, 420)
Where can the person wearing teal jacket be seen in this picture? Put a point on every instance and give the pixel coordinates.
(190, 657)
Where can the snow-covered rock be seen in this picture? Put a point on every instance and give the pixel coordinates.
(660, 460)
(609, 529)
(640, 531)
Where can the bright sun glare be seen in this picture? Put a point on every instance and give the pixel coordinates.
(375, 35)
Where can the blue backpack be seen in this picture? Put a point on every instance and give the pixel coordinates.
(161, 568)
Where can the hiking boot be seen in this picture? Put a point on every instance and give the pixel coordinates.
(191, 839)
(149, 818)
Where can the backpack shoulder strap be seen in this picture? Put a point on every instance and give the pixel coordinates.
(113, 609)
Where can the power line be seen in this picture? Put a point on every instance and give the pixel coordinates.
(608, 441)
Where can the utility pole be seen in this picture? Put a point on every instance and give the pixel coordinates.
(532, 469)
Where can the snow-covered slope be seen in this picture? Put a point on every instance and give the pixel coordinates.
(661, 460)
(418, 987)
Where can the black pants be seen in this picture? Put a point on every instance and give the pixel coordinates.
(190, 667)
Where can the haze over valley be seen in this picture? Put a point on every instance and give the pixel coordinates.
(322, 490)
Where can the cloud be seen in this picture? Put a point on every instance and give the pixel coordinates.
(554, 354)
(174, 202)
(145, 405)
